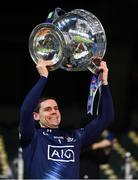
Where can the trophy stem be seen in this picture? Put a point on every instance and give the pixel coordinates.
(93, 66)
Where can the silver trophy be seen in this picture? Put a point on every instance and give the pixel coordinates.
(75, 40)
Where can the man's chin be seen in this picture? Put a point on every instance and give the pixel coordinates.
(54, 125)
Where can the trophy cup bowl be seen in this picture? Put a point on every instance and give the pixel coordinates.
(75, 41)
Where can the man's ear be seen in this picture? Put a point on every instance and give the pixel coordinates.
(36, 116)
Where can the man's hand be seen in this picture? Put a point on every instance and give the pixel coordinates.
(103, 75)
(102, 144)
(42, 67)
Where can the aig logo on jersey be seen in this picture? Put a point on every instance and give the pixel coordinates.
(61, 153)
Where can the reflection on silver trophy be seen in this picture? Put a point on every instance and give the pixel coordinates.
(75, 40)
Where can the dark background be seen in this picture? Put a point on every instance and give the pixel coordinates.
(18, 73)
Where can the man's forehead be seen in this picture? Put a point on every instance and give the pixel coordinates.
(49, 103)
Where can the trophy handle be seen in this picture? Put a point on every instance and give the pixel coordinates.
(52, 16)
(58, 12)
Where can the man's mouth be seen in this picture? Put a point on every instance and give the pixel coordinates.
(53, 118)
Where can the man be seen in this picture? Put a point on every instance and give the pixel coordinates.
(96, 154)
(48, 152)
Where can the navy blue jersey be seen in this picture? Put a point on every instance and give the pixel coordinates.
(54, 153)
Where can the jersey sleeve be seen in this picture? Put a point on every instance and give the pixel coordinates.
(93, 130)
(27, 125)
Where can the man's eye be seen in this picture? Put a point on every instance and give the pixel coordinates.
(56, 108)
(48, 109)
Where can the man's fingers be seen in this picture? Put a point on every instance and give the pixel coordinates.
(44, 62)
(103, 66)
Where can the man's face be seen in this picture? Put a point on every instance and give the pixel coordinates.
(49, 115)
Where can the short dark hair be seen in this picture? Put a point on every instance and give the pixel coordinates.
(41, 100)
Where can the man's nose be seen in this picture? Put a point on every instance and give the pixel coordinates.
(53, 110)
